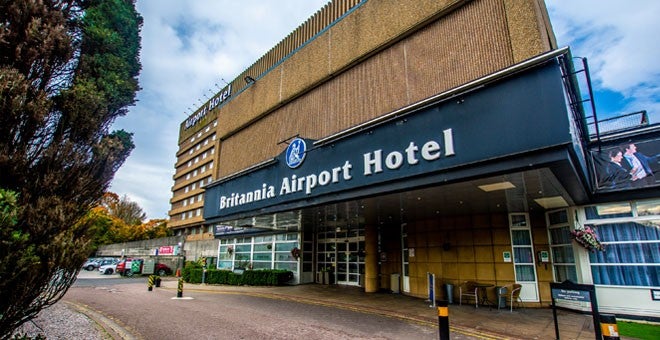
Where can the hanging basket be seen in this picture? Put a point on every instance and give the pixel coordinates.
(295, 252)
(587, 238)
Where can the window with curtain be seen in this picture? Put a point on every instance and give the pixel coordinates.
(521, 240)
(561, 248)
(632, 248)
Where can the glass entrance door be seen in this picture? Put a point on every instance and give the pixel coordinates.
(350, 265)
(341, 256)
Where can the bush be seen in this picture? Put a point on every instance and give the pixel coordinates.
(277, 277)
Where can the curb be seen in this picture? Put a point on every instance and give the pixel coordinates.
(109, 328)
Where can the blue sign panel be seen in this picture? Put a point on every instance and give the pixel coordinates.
(295, 153)
(509, 117)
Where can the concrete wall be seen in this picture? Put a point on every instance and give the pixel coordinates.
(192, 250)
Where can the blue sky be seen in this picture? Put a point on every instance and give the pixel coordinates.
(190, 46)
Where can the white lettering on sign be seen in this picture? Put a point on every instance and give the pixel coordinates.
(431, 150)
(236, 199)
(374, 162)
(309, 182)
(213, 102)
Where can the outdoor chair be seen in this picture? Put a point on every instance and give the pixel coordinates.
(512, 295)
(469, 290)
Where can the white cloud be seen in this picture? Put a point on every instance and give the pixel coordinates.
(621, 42)
(187, 48)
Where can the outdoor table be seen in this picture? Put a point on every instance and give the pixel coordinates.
(483, 295)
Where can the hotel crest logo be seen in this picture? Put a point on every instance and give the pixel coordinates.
(295, 153)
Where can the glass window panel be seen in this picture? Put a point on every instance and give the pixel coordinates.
(224, 264)
(243, 248)
(518, 221)
(284, 257)
(560, 235)
(626, 275)
(564, 273)
(292, 237)
(353, 268)
(352, 246)
(563, 254)
(262, 257)
(341, 246)
(525, 273)
(520, 237)
(648, 208)
(558, 217)
(263, 247)
(617, 232)
(285, 246)
(522, 255)
(341, 277)
(628, 253)
(608, 211)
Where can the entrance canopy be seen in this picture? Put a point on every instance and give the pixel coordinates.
(504, 143)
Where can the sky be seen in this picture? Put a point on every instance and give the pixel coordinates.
(189, 48)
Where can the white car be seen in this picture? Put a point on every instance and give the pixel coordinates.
(108, 269)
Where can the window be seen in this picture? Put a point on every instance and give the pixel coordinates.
(258, 252)
(198, 212)
(521, 241)
(561, 247)
(185, 203)
(631, 235)
(199, 197)
(211, 164)
(187, 176)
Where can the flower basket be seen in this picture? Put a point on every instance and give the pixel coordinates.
(587, 238)
(295, 252)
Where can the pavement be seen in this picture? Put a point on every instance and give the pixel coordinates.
(466, 320)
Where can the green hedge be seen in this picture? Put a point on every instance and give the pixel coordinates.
(193, 274)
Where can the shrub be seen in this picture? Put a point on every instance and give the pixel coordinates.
(277, 277)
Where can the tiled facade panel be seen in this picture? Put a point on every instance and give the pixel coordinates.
(467, 44)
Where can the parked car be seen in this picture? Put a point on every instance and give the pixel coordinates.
(108, 269)
(126, 267)
(131, 266)
(95, 263)
(91, 264)
(162, 269)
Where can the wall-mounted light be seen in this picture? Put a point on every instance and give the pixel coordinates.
(249, 80)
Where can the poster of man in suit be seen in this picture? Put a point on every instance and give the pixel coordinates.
(628, 165)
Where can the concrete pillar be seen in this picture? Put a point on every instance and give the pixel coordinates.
(371, 259)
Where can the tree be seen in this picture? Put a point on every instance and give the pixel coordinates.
(68, 69)
(124, 209)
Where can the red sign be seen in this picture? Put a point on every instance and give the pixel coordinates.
(166, 250)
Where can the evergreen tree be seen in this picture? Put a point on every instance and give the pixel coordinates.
(68, 69)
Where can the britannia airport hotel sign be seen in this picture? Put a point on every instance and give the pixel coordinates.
(421, 147)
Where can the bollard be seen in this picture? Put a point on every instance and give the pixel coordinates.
(608, 327)
(179, 289)
(443, 319)
(150, 283)
(157, 281)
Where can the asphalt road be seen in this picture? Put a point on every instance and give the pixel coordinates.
(212, 315)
